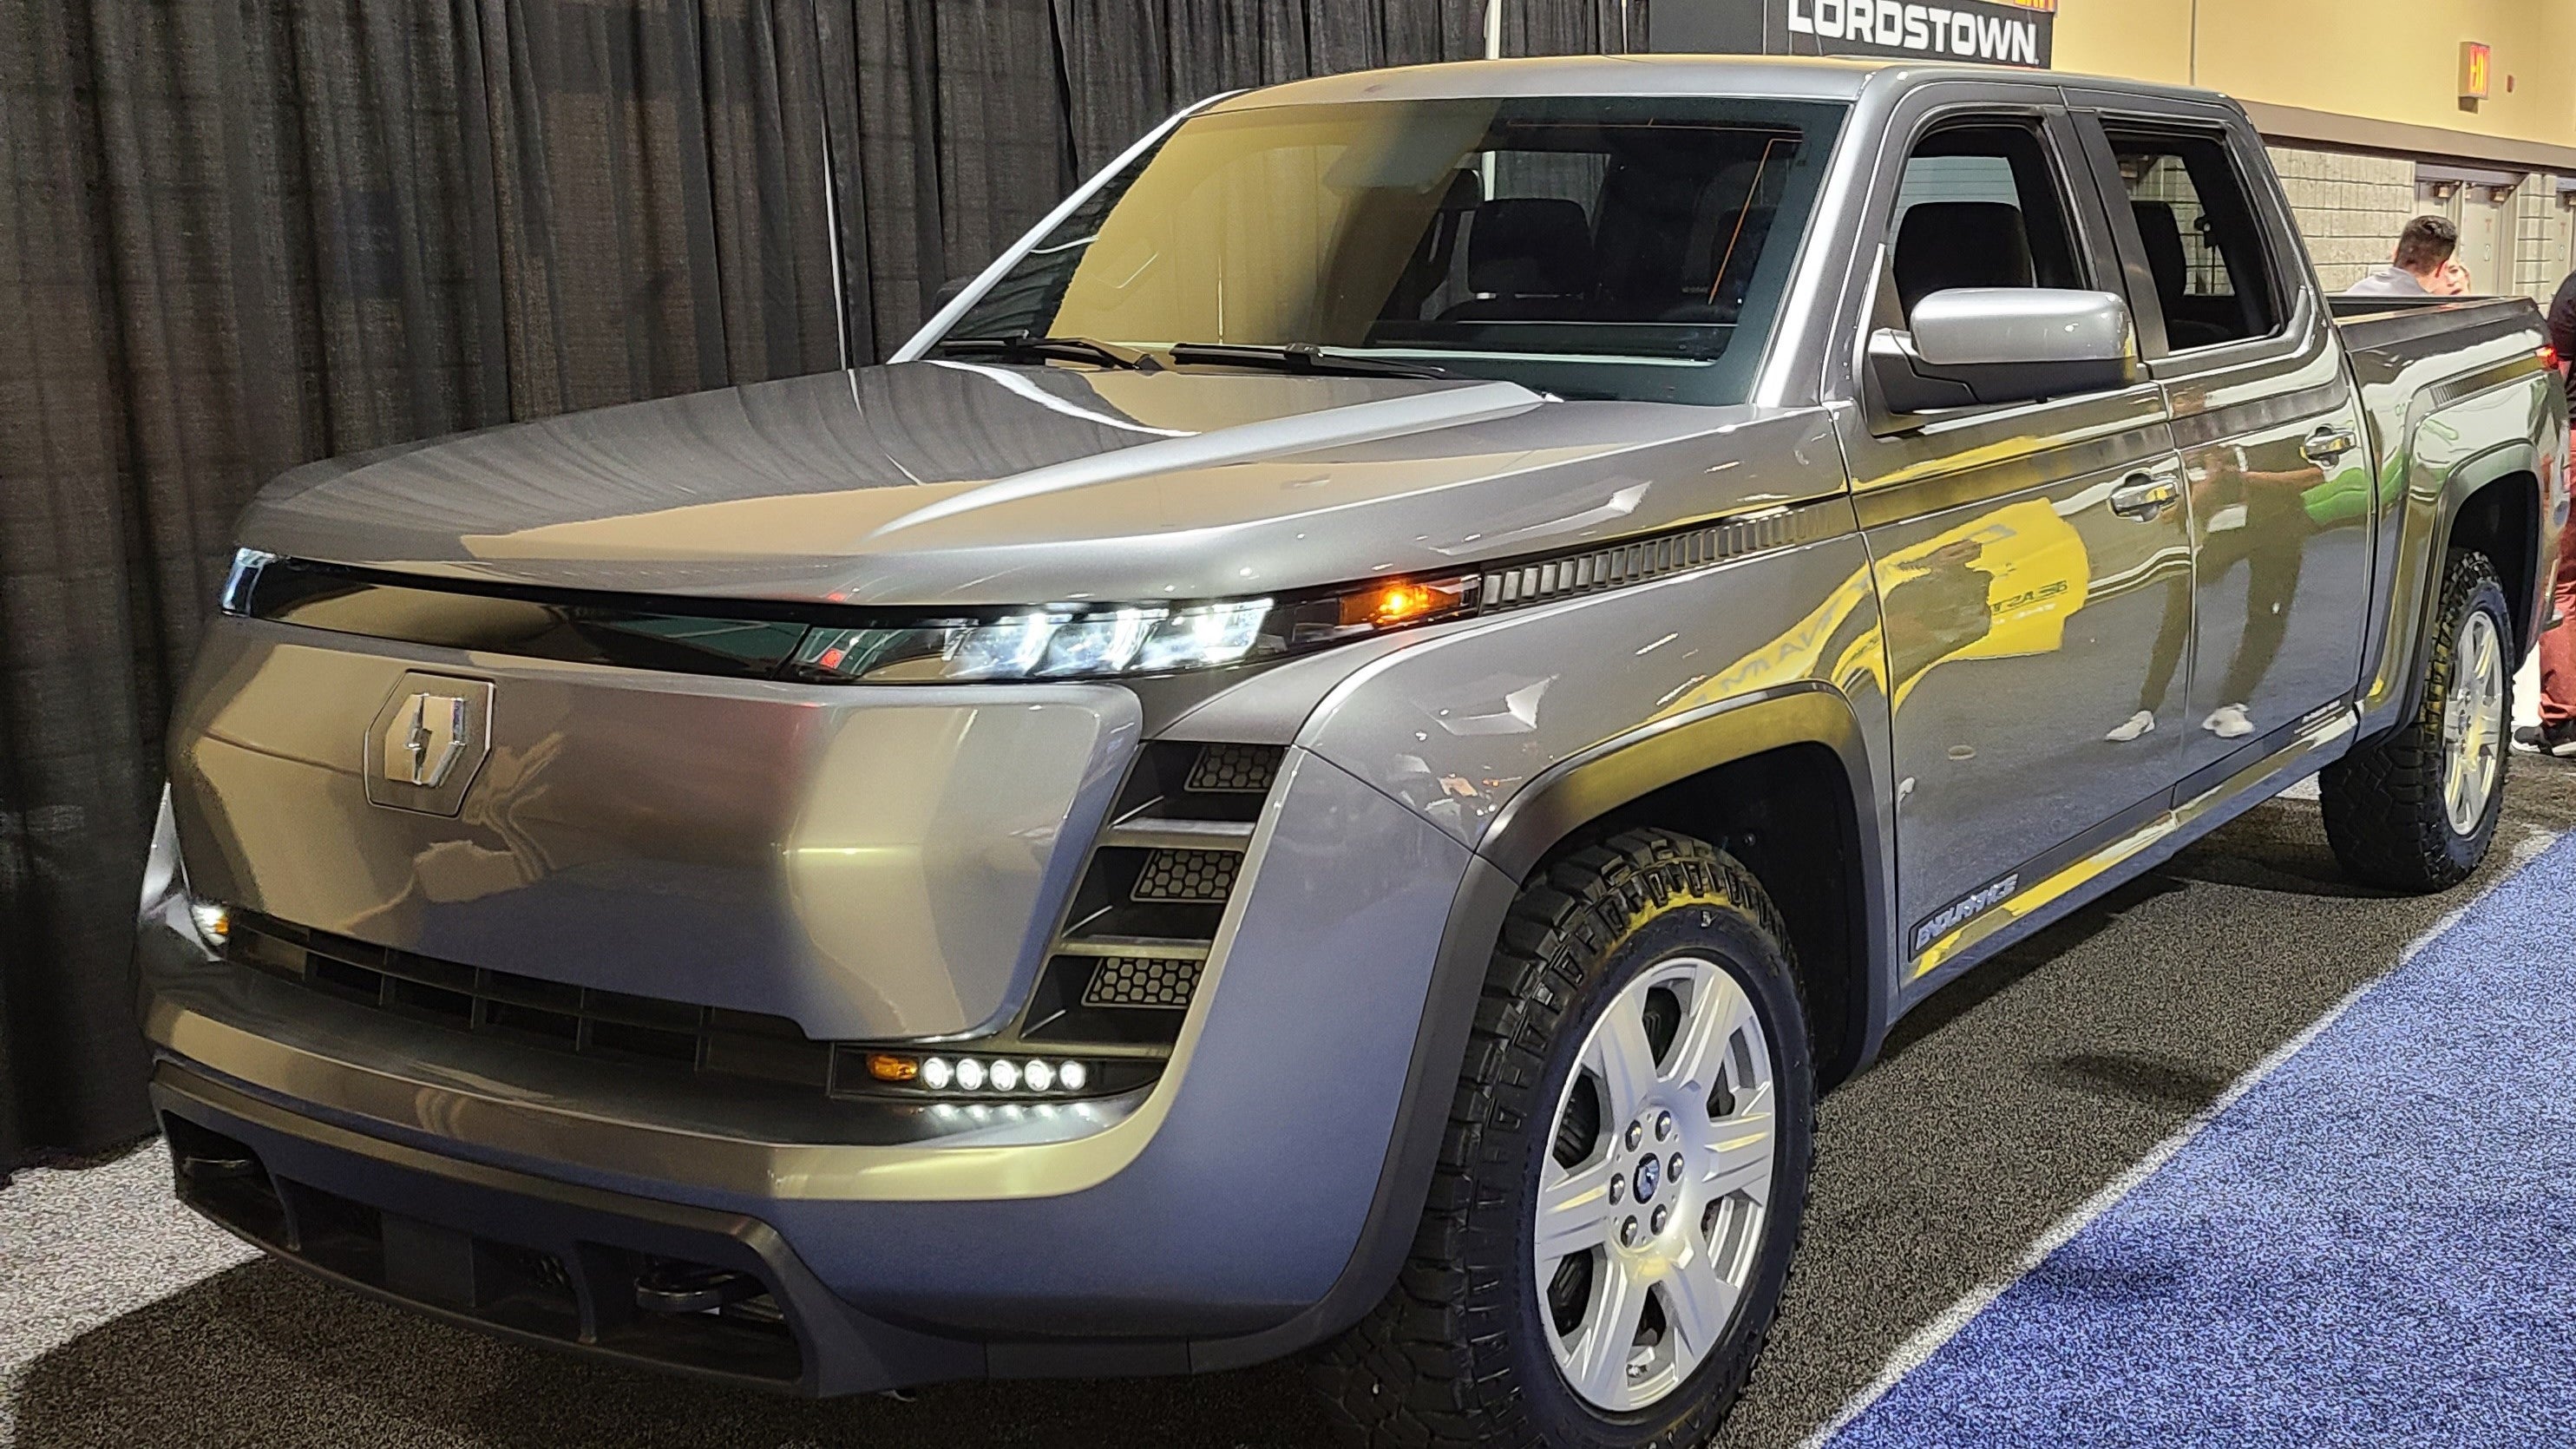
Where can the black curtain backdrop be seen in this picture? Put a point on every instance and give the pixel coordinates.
(241, 234)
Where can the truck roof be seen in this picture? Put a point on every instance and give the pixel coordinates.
(1782, 77)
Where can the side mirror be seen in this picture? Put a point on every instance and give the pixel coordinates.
(1979, 346)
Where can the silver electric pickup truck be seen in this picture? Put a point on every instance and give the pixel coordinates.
(1330, 758)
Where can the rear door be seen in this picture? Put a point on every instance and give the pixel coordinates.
(2267, 423)
(2037, 603)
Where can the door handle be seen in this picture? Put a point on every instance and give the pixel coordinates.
(2145, 496)
(2326, 446)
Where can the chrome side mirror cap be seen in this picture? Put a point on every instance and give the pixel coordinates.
(1983, 346)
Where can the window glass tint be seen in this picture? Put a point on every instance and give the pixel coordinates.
(2202, 243)
(1595, 247)
(1980, 206)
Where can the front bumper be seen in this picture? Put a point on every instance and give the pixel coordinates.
(522, 1256)
(1201, 1222)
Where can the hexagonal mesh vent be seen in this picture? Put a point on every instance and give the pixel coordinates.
(1235, 769)
(1187, 875)
(1142, 981)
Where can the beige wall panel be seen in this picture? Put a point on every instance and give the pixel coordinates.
(2139, 39)
(2392, 60)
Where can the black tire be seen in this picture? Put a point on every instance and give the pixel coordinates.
(1456, 1355)
(2384, 808)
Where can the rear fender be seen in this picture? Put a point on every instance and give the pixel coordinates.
(2446, 467)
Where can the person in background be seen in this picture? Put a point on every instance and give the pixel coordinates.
(2556, 732)
(2422, 266)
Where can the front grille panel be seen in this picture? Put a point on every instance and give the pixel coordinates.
(1121, 976)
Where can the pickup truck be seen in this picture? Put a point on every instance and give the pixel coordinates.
(1335, 753)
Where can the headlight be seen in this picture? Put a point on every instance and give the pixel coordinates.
(247, 562)
(1091, 642)
(839, 644)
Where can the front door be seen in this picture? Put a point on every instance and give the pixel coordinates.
(2270, 433)
(2033, 561)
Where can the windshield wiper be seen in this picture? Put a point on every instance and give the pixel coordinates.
(1304, 357)
(1029, 344)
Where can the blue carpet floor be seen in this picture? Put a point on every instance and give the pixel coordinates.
(2375, 1245)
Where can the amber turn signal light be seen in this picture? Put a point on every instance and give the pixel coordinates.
(1404, 601)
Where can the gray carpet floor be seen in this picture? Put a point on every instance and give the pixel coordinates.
(2002, 1105)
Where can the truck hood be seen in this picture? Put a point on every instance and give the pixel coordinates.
(945, 482)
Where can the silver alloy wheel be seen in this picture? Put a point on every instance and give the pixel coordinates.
(1645, 1240)
(2473, 723)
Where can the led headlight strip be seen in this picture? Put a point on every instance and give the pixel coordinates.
(764, 639)
(1090, 643)
(769, 639)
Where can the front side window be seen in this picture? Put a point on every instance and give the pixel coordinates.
(1632, 247)
(2202, 242)
(1979, 206)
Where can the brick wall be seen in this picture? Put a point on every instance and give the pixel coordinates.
(2540, 261)
(2350, 208)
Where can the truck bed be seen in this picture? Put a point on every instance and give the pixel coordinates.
(2402, 349)
(2407, 330)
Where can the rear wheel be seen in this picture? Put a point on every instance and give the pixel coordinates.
(2415, 809)
(1622, 1182)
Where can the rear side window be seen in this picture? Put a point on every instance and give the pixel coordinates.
(1979, 206)
(2213, 277)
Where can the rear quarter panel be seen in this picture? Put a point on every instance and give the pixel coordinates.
(2445, 391)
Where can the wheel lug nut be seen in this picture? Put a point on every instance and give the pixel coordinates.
(1628, 1233)
(1636, 1134)
(1618, 1189)
(1663, 1126)
(1673, 1169)
(1663, 1215)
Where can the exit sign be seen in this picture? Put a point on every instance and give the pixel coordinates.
(2477, 71)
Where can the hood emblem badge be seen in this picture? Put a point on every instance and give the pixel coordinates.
(428, 741)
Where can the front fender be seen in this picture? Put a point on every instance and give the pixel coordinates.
(1510, 733)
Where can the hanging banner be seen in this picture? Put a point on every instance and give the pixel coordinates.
(1998, 32)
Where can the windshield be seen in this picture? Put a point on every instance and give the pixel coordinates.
(1633, 247)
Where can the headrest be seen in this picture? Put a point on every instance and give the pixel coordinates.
(1945, 244)
(1530, 246)
(2161, 229)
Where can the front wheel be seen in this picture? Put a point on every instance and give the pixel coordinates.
(1623, 1179)
(2415, 809)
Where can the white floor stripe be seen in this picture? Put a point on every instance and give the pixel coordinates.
(1927, 1340)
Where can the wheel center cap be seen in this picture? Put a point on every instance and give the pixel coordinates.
(1650, 1173)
